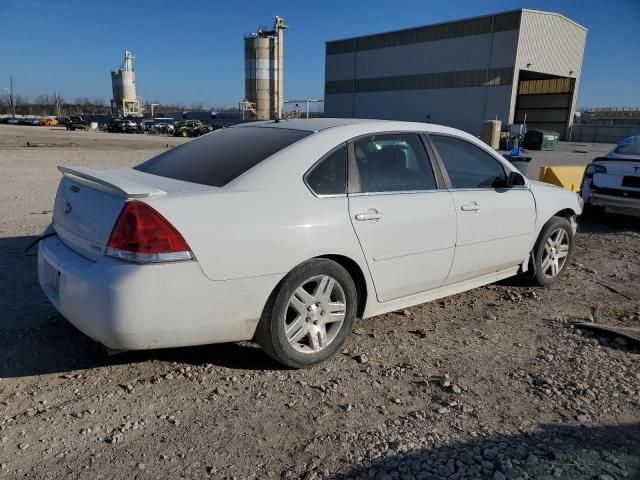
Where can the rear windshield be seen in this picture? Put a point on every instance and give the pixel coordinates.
(631, 148)
(221, 156)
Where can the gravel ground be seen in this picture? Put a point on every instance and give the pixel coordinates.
(495, 383)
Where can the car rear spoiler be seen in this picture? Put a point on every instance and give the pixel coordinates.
(110, 183)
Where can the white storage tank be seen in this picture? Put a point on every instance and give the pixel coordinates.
(125, 100)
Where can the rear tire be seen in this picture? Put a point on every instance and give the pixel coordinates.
(310, 314)
(553, 251)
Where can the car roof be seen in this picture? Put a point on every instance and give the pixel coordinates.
(323, 124)
(357, 126)
(307, 124)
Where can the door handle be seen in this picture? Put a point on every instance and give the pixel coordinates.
(364, 217)
(470, 207)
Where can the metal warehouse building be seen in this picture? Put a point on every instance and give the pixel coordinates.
(510, 66)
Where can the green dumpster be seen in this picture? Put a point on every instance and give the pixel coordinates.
(540, 140)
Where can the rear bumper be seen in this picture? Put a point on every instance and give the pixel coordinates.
(137, 307)
(616, 204)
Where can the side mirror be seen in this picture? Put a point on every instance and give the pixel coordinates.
(515, 179)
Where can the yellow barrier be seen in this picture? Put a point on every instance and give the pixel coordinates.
(565, 177)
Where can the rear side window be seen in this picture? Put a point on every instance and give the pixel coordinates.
(329, 176)
(219, 157)
(469, 166)
(393, 163)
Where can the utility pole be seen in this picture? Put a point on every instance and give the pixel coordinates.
(57, 105)
(13, 106)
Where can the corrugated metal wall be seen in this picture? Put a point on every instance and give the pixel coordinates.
(602, 133)
(549, 44)
(455, 74)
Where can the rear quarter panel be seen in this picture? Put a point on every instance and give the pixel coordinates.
(239, 234)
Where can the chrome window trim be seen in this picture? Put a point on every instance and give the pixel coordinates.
(519, 187)
(333, 195)
(318, 162)
(399, 192)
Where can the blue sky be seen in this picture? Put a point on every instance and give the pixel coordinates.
(192, 51)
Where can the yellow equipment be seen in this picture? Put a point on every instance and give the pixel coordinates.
(49, 122)
(565, 177)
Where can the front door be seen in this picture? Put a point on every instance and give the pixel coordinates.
(495, 224)
(405, 224)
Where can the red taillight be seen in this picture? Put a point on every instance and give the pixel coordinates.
(143, 235)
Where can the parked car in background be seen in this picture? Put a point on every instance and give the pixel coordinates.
(190, 128)
(285, 232)
(77, 123)
(164, 126)
(123, 125)
(30, 121)
(160, 126)
(147, 125)
(612, 183)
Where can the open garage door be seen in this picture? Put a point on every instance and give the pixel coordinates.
(544, 101)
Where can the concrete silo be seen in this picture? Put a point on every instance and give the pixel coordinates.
(125, 101)
(264, 81)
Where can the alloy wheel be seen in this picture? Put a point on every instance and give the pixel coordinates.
(556, 251)
(315, 314)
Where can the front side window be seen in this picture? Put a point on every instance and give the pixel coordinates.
(221, 156)
(329, 176)
(469, 166)
(393, 163)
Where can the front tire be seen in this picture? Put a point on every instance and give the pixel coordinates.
(592, 211)
(553, 251)
(310, 314)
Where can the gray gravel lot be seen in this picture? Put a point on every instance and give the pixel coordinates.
(495, 383)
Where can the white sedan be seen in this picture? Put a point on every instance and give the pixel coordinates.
(612, 183)
(285, 232)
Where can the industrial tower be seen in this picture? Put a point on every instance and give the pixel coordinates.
(125, 102)
(264, 64)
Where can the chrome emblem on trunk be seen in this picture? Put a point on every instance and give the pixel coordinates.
(67, 207)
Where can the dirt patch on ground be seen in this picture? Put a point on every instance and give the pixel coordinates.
(493, 383)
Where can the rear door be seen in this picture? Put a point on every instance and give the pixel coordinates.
(495, 223)
(405, 223)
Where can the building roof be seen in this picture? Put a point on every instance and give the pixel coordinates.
(544, 12)
(506, 15)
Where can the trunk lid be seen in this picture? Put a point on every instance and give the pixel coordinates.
(621, 174)
(621, 167)
(88, 203)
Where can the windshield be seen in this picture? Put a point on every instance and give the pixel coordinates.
(221, 156)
